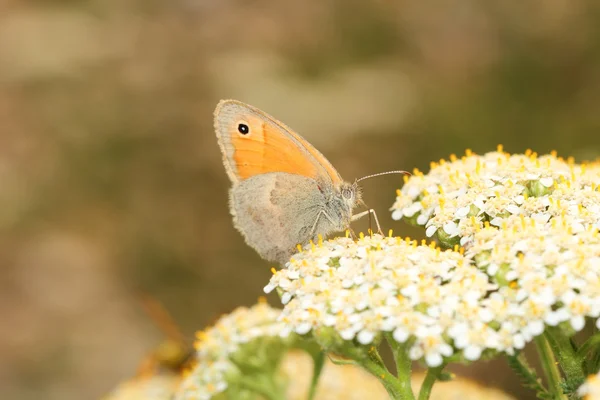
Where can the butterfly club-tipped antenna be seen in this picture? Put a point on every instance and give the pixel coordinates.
(370, 212)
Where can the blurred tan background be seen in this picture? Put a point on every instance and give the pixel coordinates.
(111, 181)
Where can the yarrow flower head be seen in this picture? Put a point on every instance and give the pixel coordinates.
(245, 342)
(546, 271)
(458, 197)
(431, 300)
(531, 223)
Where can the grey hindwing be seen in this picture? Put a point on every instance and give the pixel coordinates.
(277, 211)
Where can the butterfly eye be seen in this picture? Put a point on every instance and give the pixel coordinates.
(243, 129)
(347, 193)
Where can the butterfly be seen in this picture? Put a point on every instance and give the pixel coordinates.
(284, 192)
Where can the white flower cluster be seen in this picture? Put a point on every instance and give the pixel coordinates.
(590, 390)
(526, 220)
(548, 272)
(458, 197)
(216, 345)
(435, 298)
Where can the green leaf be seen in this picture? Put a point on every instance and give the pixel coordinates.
(528, 376)
(340, 360)
(446, 376)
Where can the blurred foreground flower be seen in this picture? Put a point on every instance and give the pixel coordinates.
(238, 356)
(590, 390)
(159, 387)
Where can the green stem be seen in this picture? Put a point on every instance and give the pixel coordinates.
(550, 369)
(430, 378)
(403, 363)
(389, 381)
(318, 363)
(570, 362)
(375, 366)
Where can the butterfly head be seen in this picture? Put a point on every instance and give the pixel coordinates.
(351, 194)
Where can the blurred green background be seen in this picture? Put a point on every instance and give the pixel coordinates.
(111, 181)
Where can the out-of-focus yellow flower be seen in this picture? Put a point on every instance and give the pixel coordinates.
(590, 390)
(247, 339)
(157, 387)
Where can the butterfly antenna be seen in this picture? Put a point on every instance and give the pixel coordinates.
(383, 173)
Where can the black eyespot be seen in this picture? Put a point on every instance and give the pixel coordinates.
(243, 129)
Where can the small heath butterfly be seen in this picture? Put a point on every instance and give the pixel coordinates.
(284, 191)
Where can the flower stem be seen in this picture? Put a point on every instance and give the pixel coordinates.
(374, 364)
(570, 362)
(318, 362)
(550, 368)
(430, 378)
(403, 364)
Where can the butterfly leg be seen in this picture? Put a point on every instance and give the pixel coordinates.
(352, 233)
(368, 212)
(314, 227)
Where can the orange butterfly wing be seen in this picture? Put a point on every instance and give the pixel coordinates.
(255, 143)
